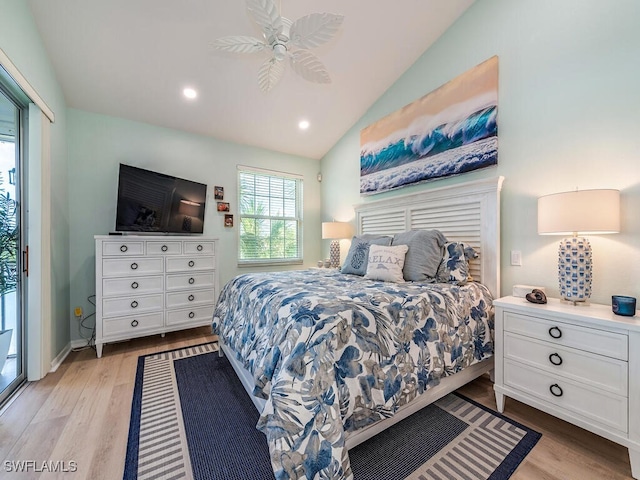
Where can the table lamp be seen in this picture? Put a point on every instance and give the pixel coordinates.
(335, 231)
(572, 213)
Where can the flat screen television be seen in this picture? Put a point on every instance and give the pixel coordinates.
(153, 202)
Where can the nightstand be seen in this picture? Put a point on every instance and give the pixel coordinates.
(578, 363)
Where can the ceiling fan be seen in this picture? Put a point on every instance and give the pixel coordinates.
(283, 38)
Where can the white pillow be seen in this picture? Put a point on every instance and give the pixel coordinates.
(385, 263)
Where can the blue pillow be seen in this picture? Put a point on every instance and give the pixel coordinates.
(358, 256)
(455, 263)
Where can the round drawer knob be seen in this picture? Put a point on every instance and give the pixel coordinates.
(555, 390)
(134, 304)
(555, 332)
(191, 314)
(199, 248)
(555, 359)
(123, 248)
(134, 266)
(192, 281)
(191, 298)
(134, 285)
(134, 323)
(164, 248)
(191, 263)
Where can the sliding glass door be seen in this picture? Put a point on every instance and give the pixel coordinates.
(11, 268)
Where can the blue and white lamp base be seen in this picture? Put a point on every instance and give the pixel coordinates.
(334, 253)
(574, 269)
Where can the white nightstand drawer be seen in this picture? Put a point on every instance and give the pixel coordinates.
(182, 281)
(192, 263)
(124, 247)
(194, 315)
(592, 340)
(596, 370)
(164, 248)
(132, 324)
(112, 307)
(122, 267)
(203, 248)
(132, 285)
(190, 297)
(604, 408)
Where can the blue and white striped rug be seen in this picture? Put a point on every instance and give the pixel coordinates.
(192, 419)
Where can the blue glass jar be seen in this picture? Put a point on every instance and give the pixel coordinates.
(623, 305)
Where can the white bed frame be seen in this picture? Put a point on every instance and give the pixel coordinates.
(467, 212)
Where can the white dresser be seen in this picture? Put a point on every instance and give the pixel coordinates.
(147, 285)
(579, 363)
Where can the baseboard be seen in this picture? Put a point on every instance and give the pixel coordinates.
(56, 362)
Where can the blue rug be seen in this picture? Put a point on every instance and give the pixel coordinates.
(191, 418)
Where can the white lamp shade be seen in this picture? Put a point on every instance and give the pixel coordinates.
(335, 230)
(582, 211)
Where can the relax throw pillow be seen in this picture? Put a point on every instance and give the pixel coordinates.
(385, 263)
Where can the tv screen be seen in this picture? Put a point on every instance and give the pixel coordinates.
(154, 202)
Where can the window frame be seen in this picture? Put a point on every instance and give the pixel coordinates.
(298, 218)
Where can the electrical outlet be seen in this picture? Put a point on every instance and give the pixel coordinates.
(77, 311)
(516, 258)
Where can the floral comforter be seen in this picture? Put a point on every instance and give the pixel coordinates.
(333, 353)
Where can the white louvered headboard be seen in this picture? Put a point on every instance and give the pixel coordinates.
(465, 212)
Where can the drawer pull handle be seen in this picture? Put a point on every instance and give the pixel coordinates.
(199, 247)
(555, 359)
(134, 323)
(192, 281)
(134, 304)
(134, 266)
(164, 248)
(191, 314)
(191, 298)
(123, 248)
(134, 285)
(555, 332)
(191, 263)
(555, 390)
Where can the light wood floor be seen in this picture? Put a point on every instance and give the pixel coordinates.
(81, 413)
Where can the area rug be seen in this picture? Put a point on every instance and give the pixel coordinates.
(192, 419)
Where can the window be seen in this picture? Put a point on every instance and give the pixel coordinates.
(270, 217)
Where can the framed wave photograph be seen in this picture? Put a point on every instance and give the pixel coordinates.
(450, 131)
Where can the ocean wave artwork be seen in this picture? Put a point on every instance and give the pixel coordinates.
(450, 131)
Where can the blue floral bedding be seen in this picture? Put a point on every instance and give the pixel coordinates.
(333, 353)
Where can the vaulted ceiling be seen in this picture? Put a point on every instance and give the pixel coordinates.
(132, 59)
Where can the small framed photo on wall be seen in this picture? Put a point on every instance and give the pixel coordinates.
(228, 220)
(223, 206)
(218, 193)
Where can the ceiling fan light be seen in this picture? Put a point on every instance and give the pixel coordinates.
(279, 51)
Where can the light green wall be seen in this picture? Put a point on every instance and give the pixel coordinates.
(98, 144)
(568, 116)
(20, 40)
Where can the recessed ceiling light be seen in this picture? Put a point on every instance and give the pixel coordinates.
(190, 93)
(303, 125)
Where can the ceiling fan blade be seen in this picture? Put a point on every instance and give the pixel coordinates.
(315, 29)
(309, 67)
(265, 14)
(270, 73)
(239, 44)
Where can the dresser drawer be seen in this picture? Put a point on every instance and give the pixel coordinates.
(201, 248)
(164, 248)
(132, 285)
(614, 345)
(112, 307)
(190, 297)
(191, 263)
(194, 315)
(132, 325)
(123, 248)
(604, 408)
(595, 370)
(182, 281)
(120, 267)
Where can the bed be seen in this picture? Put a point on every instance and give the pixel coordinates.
(331, 359)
